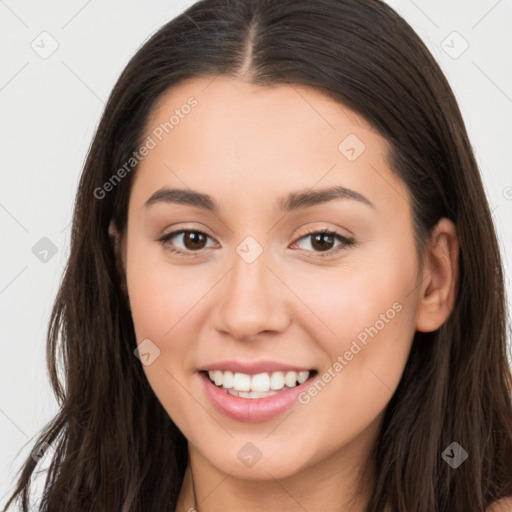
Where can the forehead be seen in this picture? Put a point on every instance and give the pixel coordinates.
(219, 134)
(240, 108)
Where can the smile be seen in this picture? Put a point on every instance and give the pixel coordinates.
(254, 397)
(260, 385)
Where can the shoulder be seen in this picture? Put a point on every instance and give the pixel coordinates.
(503, 505)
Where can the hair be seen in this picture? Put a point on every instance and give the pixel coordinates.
(112, 437)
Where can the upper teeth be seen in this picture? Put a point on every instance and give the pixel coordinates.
(260, 382)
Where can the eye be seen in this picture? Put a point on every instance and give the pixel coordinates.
(193, 240)
(323, 239)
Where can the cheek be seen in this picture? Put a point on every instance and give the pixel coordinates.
(367, 292)
(364, 320)
(169, 303)
(162, 299)
(162, 294)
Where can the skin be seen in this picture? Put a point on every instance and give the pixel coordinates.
(247, 146)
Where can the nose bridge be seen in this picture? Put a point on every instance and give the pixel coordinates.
(251, 300)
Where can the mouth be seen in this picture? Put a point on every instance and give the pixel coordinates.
(259, 385)
(238, 395)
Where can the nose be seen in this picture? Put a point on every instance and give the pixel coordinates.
(252, 300)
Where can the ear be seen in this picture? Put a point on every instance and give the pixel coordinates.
(440, 276)
(119, 249)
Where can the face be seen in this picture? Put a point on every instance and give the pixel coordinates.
(265, 283)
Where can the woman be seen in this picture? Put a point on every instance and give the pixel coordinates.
(284, 290)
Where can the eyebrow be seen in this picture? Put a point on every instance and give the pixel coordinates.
(293, 201)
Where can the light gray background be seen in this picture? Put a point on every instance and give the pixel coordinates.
(50, 108)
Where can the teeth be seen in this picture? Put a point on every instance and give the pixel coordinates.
(260, 382)
(217, 377)
(277, 380)
(227, 380)
(256, 386)
(251, 394)
(290, 379)
(303, 377)
(241, 382)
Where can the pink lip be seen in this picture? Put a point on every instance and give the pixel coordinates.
(252, 409)
(252, 368)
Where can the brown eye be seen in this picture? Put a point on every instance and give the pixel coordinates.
(194, 240)
(191, 241)
(322, 241)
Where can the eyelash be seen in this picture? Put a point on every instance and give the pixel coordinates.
(345, 242)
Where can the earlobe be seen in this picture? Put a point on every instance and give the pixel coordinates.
(115, 239)
(114, 235)
(440, 276)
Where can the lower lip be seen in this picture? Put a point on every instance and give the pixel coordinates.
(253, 409)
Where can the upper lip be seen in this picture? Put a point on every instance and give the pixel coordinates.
(253, 367)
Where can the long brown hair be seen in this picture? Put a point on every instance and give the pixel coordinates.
(111, 437)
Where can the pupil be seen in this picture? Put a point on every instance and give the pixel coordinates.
(196, 239)
(319, 236)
